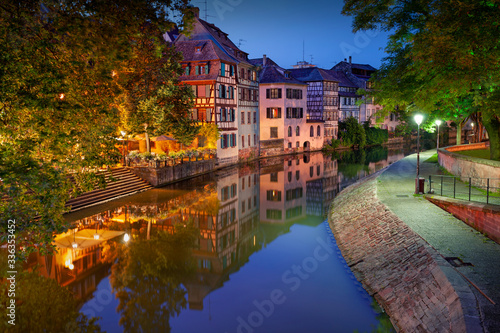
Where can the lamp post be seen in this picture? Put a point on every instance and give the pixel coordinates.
(123, 133)
(418, 119)
(473, 139)
(438, 122)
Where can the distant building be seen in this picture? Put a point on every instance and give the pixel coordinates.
(358, 76)
(284, 127)
(226, 88)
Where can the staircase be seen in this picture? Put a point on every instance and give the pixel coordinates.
(125, 183)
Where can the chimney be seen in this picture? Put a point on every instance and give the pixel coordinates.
(350, 60)
(264, 58)
(196, 12)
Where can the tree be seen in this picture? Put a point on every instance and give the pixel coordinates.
(154, 101)
(147, 278)
(443, 58)
(60, 84)
(352, 133)
(42, 305)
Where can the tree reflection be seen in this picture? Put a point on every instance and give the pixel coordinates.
(147, 278)
(42, 305)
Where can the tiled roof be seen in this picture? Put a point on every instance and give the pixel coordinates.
(259, 61)
(209, 51)
(312, 74)
(274, 74)
(342, 79)
(221, 38)
(365, 67)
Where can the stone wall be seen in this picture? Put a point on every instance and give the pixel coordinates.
(402, 272)
(161, 176)
(271, 147)
(466, 166)
(484, 218)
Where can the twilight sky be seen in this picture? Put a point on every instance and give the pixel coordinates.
(278, 28)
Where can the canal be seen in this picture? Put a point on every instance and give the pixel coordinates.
(244, 249)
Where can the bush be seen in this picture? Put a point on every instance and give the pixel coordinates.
(375, 136)
(352, 133)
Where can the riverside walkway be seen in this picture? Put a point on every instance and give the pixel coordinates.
(400, 247)
(448, 235)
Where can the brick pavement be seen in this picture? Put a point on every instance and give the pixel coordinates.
(410, 280)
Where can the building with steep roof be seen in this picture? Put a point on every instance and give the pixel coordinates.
(225, 84)
(284, 127)
(357, 76)
(322, 97)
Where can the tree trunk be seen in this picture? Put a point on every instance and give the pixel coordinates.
(459, 133)
(148, 146)
(491, 123)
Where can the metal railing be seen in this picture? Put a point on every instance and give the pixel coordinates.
(473, 190)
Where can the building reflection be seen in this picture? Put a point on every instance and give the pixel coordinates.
(237, 211)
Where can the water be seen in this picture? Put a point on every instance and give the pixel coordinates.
(264, 258)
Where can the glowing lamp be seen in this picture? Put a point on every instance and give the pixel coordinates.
(126, 237)
(418, 118)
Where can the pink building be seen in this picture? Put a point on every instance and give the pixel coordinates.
(284, 127)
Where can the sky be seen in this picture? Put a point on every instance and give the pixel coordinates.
(288, 31)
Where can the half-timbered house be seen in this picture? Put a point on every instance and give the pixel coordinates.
(322, 97)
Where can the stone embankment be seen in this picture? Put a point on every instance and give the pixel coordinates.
(397, 267)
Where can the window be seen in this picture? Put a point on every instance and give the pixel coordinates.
(318, 131)
(311, 171)
(289, 145)
(242, 117)
(232, 70)
(297, 174)
(274, 177)
(242, 184)
(249, 140)
(274, 93)
(295, 193)
(222, 91)
(289, 176)
(318, 170)
(255, 117)
(255, 139)
(293, 212)
(297, 144)
(294, 93)
(297, 131)
(249, 117)
(243, 206)
(294, 113)
(273, 214)
(273, 113)
(273, 195)
(274, 132)
(311, 131)
(224, 143)
(243, 143)
(289, 131)
(186, 70)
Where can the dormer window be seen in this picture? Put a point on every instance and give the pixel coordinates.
(287, 75)
(197, 49)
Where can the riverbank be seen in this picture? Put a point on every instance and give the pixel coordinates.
(401, 248)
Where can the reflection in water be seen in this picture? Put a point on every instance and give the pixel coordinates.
(185, 240)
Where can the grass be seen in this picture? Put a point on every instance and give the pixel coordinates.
(432, 159)
(479, 153)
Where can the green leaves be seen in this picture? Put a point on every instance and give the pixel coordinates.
(444, 56)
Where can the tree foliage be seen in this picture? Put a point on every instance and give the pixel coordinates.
(42, 305)
(351, 132)
(147, 278)
(64, 69)
(444, 58)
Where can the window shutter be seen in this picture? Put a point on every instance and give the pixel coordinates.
(222, 69)
(279, 93)
(268, 113)
(232, 115)
(301, 113)
(206, 69)
(197, 70)
(279, 112)
(268, 93)
(232, 70)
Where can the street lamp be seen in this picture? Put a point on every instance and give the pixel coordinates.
(438, 122)
(473, 139)
(418, 119)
